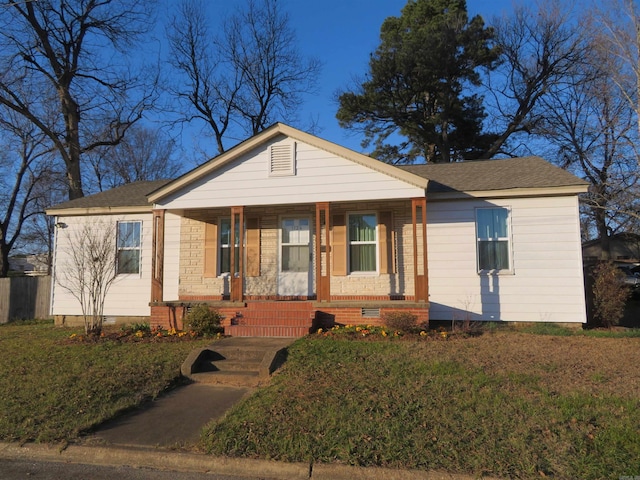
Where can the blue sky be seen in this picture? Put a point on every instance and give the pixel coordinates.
(341, 34)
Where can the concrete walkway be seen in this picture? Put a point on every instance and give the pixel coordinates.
(177, 418)
(173, 420)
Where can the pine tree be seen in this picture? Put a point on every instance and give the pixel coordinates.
(415, 102)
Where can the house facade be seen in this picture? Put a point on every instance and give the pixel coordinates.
(287, 232)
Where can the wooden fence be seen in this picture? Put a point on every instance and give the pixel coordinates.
(24, 298)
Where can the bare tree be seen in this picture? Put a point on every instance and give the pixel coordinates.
(24, 167)
(144, 154)
(618, 33)
(538, 49)
(261, 46)
(66, 57)
(246, 77)
(206, 88)
(89, 269)
(38, 230)
(593, 129)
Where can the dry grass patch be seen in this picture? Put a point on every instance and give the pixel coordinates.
(563, 365)
(511, 405)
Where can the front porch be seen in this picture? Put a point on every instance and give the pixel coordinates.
(287, 270)
(286, 318)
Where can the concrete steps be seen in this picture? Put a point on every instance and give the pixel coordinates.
(239, 362)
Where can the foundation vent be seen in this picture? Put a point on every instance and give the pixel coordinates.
(370, 313)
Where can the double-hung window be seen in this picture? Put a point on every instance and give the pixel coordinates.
(225, 246)
(492, 231)
(363, 242)
(128, 247)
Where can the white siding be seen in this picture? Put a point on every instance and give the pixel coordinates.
(129, 295)
(320, 177)
(546, 283)
(171, 256)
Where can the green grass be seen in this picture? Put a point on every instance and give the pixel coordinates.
(52, 390)
(399, 404)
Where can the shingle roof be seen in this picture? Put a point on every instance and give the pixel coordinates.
(500, 174)
(479, 175)
(129, 195)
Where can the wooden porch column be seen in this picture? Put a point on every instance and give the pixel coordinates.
(237, 277)
(323, 280)
(157, 256)
(419, 220)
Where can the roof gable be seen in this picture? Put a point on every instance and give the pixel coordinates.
(269, 136)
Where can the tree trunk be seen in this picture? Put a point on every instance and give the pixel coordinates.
(4, 259)
(603, 234)
(71, 114)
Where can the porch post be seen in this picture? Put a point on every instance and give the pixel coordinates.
(157, 256)
(237, 278)
(323, 281)
(421, 276)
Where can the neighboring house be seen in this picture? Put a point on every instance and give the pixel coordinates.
(287, 231)
(33, 264)
(623, 247)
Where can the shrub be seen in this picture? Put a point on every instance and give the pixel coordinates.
(610, 294)
(203, 320)
(140, 327)
(403, 321)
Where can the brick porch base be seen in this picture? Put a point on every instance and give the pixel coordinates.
(268, 318)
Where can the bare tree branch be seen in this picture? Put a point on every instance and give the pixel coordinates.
(63, 47)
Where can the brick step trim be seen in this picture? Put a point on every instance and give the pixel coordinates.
(271, 321)
(275, 314)
(265, 331)
(280, 306)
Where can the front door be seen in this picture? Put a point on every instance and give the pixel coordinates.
(294, 273)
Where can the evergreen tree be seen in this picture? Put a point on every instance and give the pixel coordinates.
(414, 102)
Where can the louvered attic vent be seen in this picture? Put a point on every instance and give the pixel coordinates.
(282, 160)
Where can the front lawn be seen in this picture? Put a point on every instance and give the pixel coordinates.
(508, 404)
(53, 388)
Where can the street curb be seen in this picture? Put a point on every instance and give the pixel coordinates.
(156, 459)
(343, 472)
(161, 459)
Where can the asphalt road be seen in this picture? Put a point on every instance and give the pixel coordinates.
(38, 470)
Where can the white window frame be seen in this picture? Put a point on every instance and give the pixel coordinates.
(283, 244)
(507, 239)
(221, 245)
(138, 248)
(375, 243)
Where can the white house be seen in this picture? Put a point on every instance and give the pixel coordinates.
(287, 231)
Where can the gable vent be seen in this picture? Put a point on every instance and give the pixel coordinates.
(282, 160)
